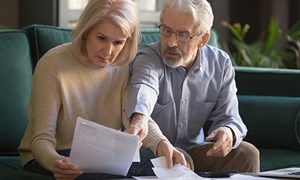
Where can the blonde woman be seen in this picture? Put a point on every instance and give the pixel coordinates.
(86, 78)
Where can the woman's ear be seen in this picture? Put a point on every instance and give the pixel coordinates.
(204, 40)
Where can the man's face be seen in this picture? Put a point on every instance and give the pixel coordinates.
(175, 52)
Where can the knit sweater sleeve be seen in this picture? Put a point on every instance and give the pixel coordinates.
(154, 137)
(44, 108)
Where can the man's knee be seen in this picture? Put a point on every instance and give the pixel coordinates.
(250, 155)
(248, 150)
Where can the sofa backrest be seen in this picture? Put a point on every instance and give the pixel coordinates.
(267, 81)
(15, 79)
(269, 104)
(45, 37)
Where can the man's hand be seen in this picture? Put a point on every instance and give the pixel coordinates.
(138, 126)
(173, 156)
(63, 170)
(223, 138)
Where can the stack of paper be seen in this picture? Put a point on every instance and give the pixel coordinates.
(99, 149)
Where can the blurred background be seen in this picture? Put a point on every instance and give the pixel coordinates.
(256, 14)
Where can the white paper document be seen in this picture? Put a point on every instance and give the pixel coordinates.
(180, 172)
(163, 172)
(99, 149)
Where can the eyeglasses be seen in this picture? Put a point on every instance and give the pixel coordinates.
(183, 36)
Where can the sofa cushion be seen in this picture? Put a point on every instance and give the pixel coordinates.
(149, 35)
(12, 162)
(15, 79)
(43, 38)
(272, 121)
(272, 158)
(11, 169)
(18, 174)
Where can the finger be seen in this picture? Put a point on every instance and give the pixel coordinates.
(179, 158)
(215, 152)
(220, 151)
(215, 148)
(142, 135)
(140, 144)
(169, 159)
(211, 136)
(64, 167)
(131, 131)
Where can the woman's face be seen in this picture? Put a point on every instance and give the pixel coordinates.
(104, 42)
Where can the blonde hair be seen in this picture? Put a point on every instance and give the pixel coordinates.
(123, 13)
(200, 10)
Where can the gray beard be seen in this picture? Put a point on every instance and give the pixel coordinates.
(172, 62)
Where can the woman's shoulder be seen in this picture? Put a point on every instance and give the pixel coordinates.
(56, 53)
(53, 57)
(58, 50)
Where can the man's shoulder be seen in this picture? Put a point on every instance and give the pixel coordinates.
(152, 48)
(215, 57)
(148, 56)
(215, 51)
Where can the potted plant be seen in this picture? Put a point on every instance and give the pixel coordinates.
(265, 52)
(293, 38)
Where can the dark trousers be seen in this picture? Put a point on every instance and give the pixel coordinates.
(243, 159)
(143, 168)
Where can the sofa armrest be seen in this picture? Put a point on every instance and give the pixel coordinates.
(272, 121)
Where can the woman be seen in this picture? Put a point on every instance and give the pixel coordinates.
(85, 78)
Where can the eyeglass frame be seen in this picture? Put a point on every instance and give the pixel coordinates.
(177, 33)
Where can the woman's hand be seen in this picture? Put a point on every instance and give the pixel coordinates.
(173, 156)
(63, 170)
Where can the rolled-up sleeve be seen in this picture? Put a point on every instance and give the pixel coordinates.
(144, 84)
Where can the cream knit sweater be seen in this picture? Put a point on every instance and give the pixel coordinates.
(65, 87)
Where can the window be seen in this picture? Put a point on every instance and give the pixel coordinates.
(69, 11)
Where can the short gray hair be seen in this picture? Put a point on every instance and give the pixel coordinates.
(121, 12)
(200, 10)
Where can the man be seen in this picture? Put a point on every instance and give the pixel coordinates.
(182, 83)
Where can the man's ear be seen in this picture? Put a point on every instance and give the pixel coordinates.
(204, 40)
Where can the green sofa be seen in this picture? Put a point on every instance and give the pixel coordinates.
(269, 99)
(269, 102)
